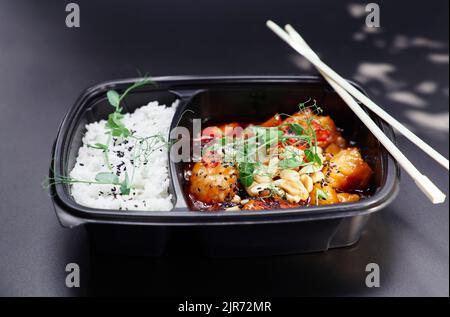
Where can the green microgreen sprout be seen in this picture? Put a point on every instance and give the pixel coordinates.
(246, 170)
(101, 178)
(114, 122)
(320, 194)
(105, 149)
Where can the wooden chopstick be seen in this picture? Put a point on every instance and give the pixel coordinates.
(314, 59)
(424, 183)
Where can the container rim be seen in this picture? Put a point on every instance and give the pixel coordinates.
(71, 213)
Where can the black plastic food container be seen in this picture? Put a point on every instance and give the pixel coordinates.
(223, 233)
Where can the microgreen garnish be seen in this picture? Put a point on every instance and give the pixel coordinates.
(312, 157)
(320, 194)
(311, 153)
(303, 106)
(291, 162)
(114, 122)
(61, 179)
(116, 126)
(103, 178)
(107, 178)
(113, 98)
(246, 170)
(99, 146)
(296, 128)
(125, 186)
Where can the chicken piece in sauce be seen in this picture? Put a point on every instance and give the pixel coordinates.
(348, 171)
(213, 183)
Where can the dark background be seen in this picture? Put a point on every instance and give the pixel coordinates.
(44, 66)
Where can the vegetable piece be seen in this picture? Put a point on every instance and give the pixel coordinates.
(125, 186)
(326, 130)
(113, 98)
(99, 146)
(312, 157)
(246, 173)
(296, 128)
(289, 163)
(107, 178)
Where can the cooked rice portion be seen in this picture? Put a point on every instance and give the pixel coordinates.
(143, 157)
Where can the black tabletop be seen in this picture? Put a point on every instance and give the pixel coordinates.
(44, 66)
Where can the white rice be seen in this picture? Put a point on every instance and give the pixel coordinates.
(150, 181)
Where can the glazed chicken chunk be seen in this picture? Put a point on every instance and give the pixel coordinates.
(348, 171)
(213, 183)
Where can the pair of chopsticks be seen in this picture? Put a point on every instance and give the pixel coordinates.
(349, 93)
